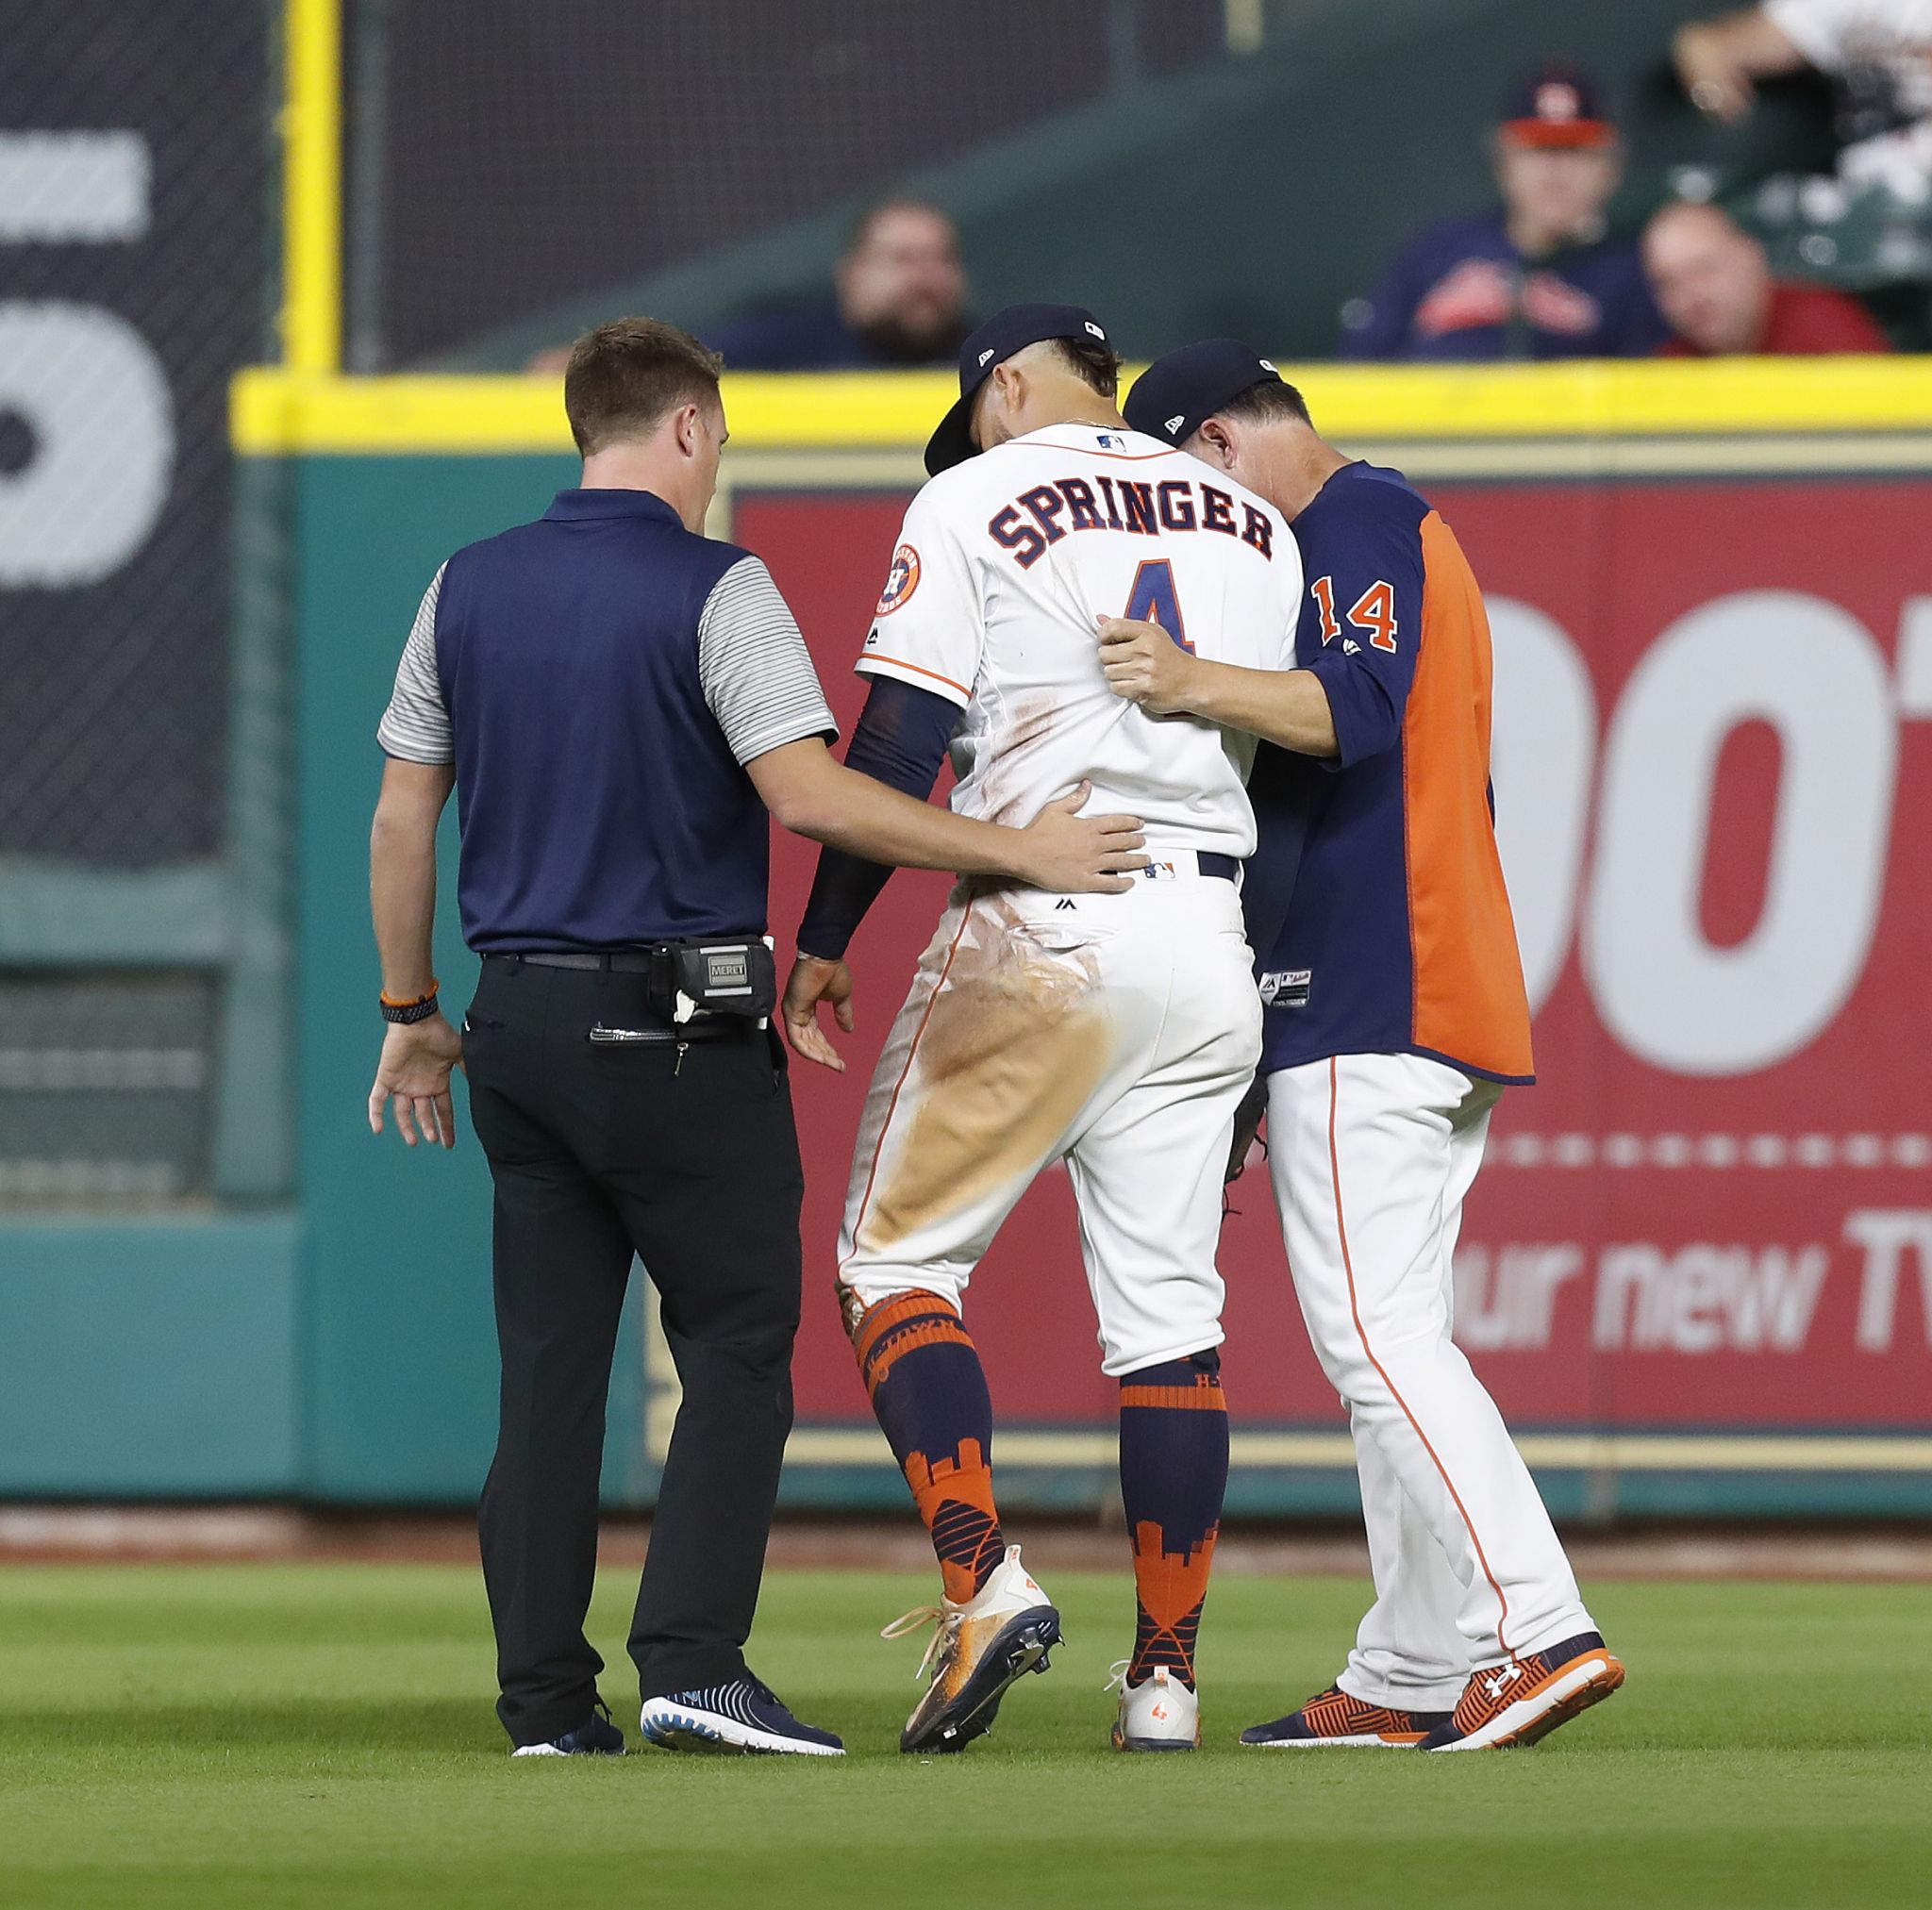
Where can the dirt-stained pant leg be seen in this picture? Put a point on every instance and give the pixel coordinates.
(1123, 1030)
(1002, 1045)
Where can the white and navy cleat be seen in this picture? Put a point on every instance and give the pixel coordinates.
(595, 1737)
(742, 1715)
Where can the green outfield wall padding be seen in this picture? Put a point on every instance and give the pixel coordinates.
(144, 1359)
(401, 1352)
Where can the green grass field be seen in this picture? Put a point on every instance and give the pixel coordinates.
(268, 1735)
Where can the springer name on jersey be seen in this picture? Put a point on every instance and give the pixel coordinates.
(1002, 572)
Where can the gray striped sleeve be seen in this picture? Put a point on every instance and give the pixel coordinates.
(758, 675)
(415, 726)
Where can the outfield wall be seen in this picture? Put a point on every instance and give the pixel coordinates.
(1698, 1270)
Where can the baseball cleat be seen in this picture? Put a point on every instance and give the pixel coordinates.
(596, 1737)
(742, 1716)
(978, 1648)
(1523, 1700)
(1337, 1718)
(1157, 1714)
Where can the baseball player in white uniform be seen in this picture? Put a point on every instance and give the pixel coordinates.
(1116, 1031)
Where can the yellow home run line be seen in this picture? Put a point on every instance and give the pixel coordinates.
(311, 186)
(277, 412)
(1578, 1452)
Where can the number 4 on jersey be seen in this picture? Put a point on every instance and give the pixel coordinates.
(1372, 611)
(1153, 601)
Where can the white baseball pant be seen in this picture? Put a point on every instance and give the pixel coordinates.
(1371, 1157)
(1117, 1031)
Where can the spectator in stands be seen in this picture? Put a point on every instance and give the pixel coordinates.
(1536, 277)
(1714, 286)
(902, 300)
(1877, 53)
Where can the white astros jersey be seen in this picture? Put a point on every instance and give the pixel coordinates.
(1006, 565)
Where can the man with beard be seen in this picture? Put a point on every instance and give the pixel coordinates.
(900, 303)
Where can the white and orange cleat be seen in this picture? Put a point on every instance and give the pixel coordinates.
(977, 1650)
(1157, 1714)
(1527, 1698)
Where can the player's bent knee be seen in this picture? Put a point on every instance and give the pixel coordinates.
(861, 1298)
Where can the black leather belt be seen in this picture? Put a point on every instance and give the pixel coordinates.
(654, 1033)
(618, 961)
(1211, 863)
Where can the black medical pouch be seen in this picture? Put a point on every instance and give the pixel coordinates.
(736, 978)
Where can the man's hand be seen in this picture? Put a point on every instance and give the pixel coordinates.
(814, 981)
(414, 1074)
(1145, 665)
(1068, 854)
(1715, 79)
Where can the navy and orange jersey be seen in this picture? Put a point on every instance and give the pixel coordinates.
(1398, 936)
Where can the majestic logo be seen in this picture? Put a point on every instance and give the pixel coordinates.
(985, 354)
(1287, 988)
(901, 581)
(1174, 423)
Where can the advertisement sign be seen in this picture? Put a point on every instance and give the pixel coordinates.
(1713, 735)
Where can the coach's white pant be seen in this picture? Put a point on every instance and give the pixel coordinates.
(1116, 1031)
(1371, 1157)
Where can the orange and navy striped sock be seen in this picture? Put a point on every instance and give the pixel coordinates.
(928, 1390)
(1174, 1476)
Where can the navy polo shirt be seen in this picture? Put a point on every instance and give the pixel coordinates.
(599, 679)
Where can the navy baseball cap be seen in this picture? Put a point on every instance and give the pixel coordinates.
(1004, 334)
(1175, 395)
(1557, 104)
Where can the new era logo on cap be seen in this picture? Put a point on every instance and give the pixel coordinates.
(1178, 393)
(989, 345)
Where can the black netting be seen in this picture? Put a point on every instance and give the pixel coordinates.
(514, 157)
(134, 192)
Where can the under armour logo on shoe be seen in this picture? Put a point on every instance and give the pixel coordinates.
(1503, 1680)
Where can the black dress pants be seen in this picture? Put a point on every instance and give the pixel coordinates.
(690, 1162)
